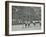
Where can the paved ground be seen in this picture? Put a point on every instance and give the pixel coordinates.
(22, 27)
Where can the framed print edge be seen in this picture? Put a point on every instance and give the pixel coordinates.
(7, 18)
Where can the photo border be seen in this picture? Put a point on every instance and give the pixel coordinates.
(7, 17)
